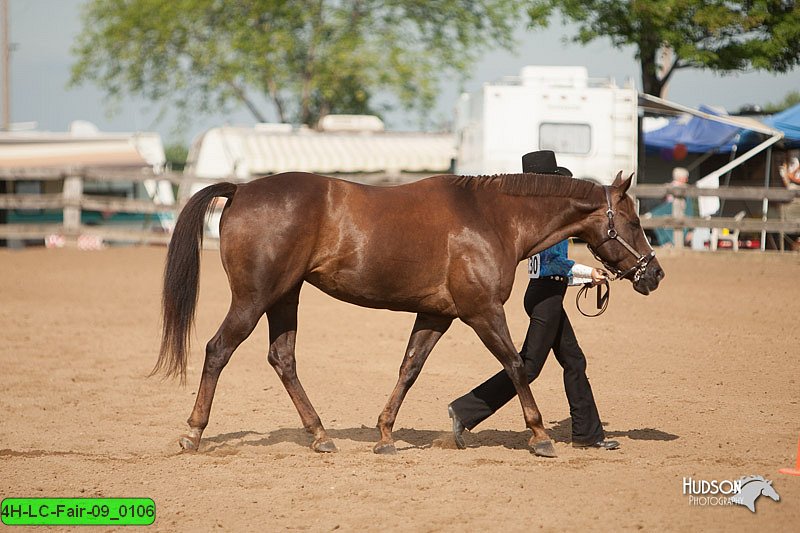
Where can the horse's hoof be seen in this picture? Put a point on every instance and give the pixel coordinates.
(188, 444)
(385, 448)
(324, 446)
(544, 448)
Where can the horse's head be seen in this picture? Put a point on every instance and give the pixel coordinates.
(768, 490)
(618, 240)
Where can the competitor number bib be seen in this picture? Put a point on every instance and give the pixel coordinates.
(534, 266)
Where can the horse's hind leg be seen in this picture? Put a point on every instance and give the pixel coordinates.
(237, 326)
(282, 318)
(492, 329)
(426, 333)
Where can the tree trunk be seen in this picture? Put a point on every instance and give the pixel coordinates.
(280, 107)
(311, 58)
(242, 95)
(651, 84)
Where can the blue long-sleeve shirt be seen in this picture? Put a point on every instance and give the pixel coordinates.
(553, 261)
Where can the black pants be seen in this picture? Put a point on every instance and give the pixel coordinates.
(549, 329)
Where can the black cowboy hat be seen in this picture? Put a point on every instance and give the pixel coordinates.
(543, 162)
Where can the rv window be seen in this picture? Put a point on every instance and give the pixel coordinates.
(565, 138)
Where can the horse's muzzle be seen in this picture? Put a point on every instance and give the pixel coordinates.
(648, 282)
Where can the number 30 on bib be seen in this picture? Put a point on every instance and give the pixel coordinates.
(534, 266)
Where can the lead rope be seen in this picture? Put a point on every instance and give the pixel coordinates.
(602, 298)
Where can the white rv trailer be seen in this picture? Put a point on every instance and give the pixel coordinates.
(590, 124)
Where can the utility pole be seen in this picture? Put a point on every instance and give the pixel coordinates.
(6, 68)
(6, 99)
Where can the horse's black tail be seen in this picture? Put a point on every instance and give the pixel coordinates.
(181, 280)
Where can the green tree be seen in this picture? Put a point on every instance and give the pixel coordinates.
(792, 98)
(176, 155)
(304, 58)
(715, 34)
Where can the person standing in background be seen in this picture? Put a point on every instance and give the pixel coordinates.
(680, 178)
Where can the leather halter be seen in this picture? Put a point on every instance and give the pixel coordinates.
(641, 260)
(639, 267)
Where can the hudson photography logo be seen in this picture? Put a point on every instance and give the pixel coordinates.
(743, 491)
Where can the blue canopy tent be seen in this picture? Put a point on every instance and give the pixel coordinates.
(787, 121)
(697, 134)
(703, 134)
(707, 129)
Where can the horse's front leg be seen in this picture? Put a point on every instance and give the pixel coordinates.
(426, 332)
(492, 329)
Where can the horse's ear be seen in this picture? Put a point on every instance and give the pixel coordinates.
(617, 180)
(623, 185)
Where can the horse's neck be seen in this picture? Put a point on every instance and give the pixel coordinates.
(753, 488)
(546, 221)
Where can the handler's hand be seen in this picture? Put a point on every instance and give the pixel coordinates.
(598, 276)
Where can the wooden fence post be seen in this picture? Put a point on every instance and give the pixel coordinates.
(73, 191)
(678, 212)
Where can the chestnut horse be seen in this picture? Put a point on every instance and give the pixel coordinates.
(444, 247)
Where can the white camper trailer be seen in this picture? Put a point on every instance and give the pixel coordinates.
(591, 124)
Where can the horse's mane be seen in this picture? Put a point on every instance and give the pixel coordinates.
(528, 184)
(745, 480)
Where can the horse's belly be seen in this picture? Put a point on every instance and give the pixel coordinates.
(394, 292)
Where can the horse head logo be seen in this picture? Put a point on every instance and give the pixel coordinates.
(751, 488)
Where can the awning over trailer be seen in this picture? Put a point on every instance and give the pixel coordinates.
(653, 104)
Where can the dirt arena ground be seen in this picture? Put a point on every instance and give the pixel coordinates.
(701, 379)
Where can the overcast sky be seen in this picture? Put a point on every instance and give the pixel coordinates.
(43, 31)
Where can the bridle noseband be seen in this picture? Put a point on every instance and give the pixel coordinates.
(641, 260)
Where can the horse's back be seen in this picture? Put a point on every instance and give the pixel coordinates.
(318, 199)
